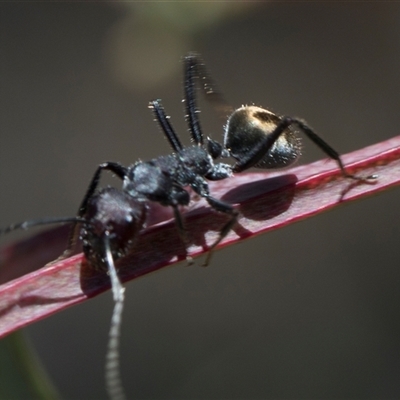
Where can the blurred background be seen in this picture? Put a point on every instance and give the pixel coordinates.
(309, 311)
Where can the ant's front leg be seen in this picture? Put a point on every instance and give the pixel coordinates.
(195, 69)
(114, 167)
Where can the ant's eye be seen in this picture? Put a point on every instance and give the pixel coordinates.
(249, 126)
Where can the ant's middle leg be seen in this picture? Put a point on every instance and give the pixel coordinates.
(180, 226)
(200, 186)
(180, 197)
(227, 209)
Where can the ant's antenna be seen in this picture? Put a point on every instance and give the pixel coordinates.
(36, 222)
(112, 368)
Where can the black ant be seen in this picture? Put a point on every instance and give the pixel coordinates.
(110, 219)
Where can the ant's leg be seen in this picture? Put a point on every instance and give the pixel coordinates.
(195, 68)
(182, 232)
(165, 125)
(326, 148)
(227, 209)
(118, 170)
(255, 154)
(200, 186)
(191, 111)
(259, 151)
(180, 197)
(114, 167)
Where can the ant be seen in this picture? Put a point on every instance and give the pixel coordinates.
(109, 220)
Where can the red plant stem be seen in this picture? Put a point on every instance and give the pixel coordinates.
(266, 201)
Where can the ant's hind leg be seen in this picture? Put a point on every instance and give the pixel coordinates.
(265, 144)
(325, 147)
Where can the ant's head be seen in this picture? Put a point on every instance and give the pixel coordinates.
(118, 215)
(249, 126)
